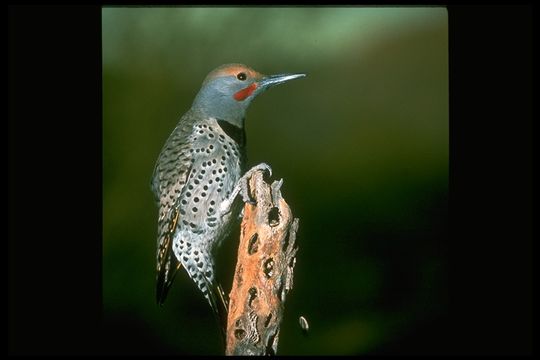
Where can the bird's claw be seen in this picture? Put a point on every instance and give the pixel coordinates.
(264, 167)
(242, 187)
(260, 167)
(244, 181)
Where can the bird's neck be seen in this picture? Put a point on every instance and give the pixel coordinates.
(230, 121)
(238, 134)
(220, 107)
(231, 126)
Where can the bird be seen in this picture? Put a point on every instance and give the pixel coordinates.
(199, 173)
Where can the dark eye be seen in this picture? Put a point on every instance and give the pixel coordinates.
(242, 76)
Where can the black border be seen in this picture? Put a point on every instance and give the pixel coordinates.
(54, 175)
(54, 183)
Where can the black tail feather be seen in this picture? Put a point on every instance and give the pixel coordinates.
(219, 305)
(165, 278)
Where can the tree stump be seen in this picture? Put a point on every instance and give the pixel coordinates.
(264, 271)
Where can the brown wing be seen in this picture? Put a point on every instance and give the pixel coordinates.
(167, 265)
(169, 178)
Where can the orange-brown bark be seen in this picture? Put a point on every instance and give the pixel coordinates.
(264, 271)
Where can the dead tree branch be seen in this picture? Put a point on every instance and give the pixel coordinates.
(264, 271)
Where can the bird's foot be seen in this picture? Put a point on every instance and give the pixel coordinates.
(243, 183)
(242, 187)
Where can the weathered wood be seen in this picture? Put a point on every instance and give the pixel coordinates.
(264, 271)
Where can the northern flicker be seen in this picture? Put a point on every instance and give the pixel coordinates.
(199, 173)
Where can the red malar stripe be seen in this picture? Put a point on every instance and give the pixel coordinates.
(244, 93)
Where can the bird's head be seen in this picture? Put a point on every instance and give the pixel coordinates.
(228, 90)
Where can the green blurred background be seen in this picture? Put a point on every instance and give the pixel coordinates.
(361, 143)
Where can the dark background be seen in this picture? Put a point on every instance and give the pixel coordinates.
(377, 271)
(361, 142)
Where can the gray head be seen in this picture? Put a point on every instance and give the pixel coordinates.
(228, 90)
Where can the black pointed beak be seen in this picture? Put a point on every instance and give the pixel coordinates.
(272, 80)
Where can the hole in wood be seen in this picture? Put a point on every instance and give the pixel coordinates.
(273, 216)
(270, 345)
(268, 267)
(267, 320)
(252, 295)
(253, 244)
(291, 262)
(239, 334)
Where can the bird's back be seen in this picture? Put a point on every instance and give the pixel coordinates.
(196, 171)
